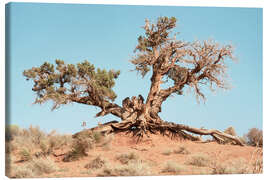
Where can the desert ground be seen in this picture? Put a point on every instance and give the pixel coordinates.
(55, 155)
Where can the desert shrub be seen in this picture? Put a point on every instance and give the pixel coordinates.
(88, 172)
(236, 166)
(257, 166)
(181, 150)
(198, 160)
(57, 141)
(9, 147)
(11, 132)
(96, 163)
(8, 162)
(107, 142)
(255, 137)
(36, 134)
(25, 154)
(173, 167)
(21, 172)
(80, 146)
(131, 169)
(45, 147)
(126, 158)
(43, 165)
(167, 152)
(231, 131)
(97, 136)
(33, 168)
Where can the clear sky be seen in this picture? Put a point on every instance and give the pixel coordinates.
(107, 35)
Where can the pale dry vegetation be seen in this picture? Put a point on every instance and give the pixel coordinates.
(38, 157)
(33, 168)
(173, 167)
(199, 159)
(134, 168)
(127, 157)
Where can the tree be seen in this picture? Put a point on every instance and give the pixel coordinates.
(175, 64)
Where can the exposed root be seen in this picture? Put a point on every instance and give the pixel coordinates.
(139, 129)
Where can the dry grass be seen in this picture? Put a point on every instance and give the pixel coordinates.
(25, 154)
(33, 168)
(96, 163)
(43, 165)
(131, 169)
(199, 159)
(173, 167)
(167, 152)
(237, 166)
(255, 137)
(181, 150)
(126, 158)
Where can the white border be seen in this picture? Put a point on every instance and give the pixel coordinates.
(202, 3)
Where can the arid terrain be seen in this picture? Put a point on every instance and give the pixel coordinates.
(120, 155)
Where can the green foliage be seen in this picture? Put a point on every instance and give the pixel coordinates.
(65, 82)
(155, 35)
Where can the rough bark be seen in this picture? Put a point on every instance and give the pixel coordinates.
(165, 128)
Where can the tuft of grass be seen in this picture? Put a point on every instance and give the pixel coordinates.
(21, 172)
(25, 154)
(181, 150)
(199, 159)
(126, 158)
(167, 152)
(33, 168)
(107, 142)
(237, 166)
(97, 136)
(131, 169)
(11, 131)
(96, 163)
(80, 147)
(88, 172)
(173, 167)
(43, 165)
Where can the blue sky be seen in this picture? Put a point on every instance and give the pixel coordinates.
(107, 35)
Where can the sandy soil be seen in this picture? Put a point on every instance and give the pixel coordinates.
(152, 151)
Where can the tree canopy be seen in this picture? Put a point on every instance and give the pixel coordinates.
(174, 65)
